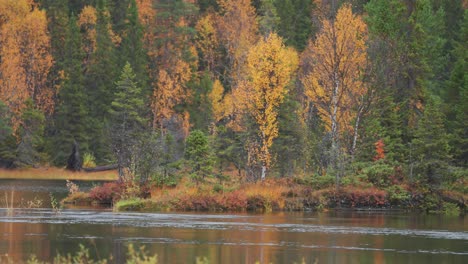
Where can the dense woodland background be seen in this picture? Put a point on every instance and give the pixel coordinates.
(266, 88)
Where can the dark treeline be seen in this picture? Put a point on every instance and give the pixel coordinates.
(338, 89)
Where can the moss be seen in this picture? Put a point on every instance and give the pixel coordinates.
(133, 204)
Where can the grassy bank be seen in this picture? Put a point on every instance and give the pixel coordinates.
(270, 195)
(57, 174)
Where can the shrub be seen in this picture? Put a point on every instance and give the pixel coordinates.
(397, 195)
(107, 193)
(358, 197)
(233, 201)
(320, 181)
(89, 161)
(379, 173)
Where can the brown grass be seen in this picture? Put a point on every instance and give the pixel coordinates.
(57, 174)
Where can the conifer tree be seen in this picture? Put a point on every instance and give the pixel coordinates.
(99, 79)
(127, 120)
(71, 115)
(430, 147)
(131, 47)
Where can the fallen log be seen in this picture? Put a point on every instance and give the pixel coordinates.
(101, 168)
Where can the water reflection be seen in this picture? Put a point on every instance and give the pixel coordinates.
(235, 238)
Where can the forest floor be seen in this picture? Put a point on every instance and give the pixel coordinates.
(52, 173)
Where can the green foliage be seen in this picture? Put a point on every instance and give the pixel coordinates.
(89, 161)
(131, 48)
(198, 153)
(430, 148)
(379, 173)
(140, 256)
(319, 181)
(132, 204)
(71, 116)
(29, 150)
(294, 24)
(128, 122)
(100, 75)
(397, 195)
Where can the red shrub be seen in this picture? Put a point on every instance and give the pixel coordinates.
(233, 201)
(357, 197)
(107, 193)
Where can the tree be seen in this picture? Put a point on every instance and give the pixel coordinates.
(430, 146)
(199, 155)
(171, 91)
(238, 32)
(131, 46)
(456, 98)
(270, 67)
(127, 121)
(334, 82)
(295, 25)
(71, 118)
(100, 73)
(25, 59)
(31, 135)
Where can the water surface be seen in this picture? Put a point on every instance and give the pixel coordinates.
(334, 237)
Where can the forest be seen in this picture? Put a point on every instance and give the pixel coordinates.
(324, 93)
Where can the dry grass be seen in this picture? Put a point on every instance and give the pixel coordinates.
(57, 174)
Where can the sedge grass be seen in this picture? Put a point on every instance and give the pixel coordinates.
(57, 174)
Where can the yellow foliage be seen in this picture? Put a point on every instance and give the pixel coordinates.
(270, 66)
(337, 59)
(87, 21)
(207, 39)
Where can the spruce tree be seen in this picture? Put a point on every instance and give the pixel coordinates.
(71, 116)
(430, 147)
(457, 97)
(131, 47)
(99, 83)
(127, 121)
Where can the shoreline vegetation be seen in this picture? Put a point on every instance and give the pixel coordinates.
(317, 193)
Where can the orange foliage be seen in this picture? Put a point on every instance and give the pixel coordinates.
(379, 149)
(171, 90)
(238, 30)
(87, 21)
(25, 59)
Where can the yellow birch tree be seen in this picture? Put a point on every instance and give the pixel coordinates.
(270, 66)
(336, 61)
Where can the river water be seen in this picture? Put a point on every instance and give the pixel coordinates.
(283, 237)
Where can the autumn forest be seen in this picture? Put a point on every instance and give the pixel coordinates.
(322, 93)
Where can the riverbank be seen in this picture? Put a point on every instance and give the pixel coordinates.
(268, 196)
(52, 173)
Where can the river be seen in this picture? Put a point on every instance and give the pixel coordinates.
(282, 237)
